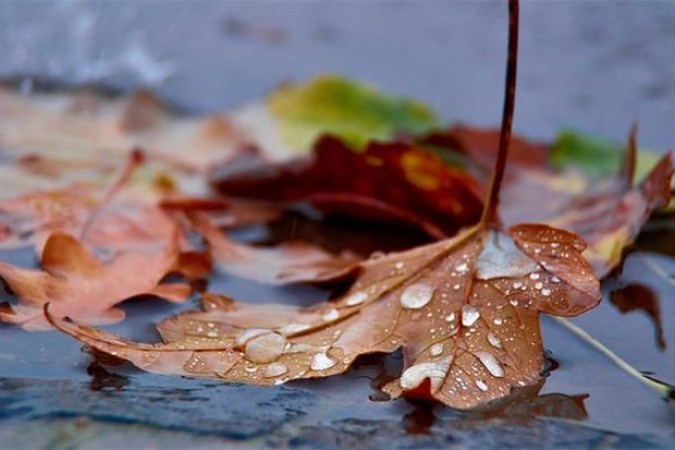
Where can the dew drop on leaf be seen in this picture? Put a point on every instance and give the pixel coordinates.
(265, 348)
(356, 298)
(494, 340)
(417, 296)
(331, 314)
(321, 361)
(275, 370)
(491, 364)
(436, 349)
(469, 315)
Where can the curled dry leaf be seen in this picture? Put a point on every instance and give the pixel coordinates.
(464, 311)
(290, 262)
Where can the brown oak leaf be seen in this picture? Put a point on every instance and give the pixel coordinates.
(80, 285)
(465, 312)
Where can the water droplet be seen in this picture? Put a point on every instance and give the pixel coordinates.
(545, 292)
(436, 349)
(331, 314)
(498, 321)
(534, 276)
(417, 296)
(450, 317)
(538, 285)
(469, 315)
(356, 298)
(321, 361)
(265, 348)
(399, 265)
(491, 364)
(482, 385)
(494, 340)
(555, 245)
(555, 280)
(514, 302)
(435, 371)
(275, 370)
(294, 328)
(456, 287)
(250, 334)
(517, 284)
(251, 369)
(462, 267)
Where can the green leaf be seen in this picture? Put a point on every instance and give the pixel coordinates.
(353, 111)
(598, 157)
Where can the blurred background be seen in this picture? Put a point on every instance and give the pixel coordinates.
(595, 66)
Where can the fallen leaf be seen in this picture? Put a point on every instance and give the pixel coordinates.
(610, 221)
(290, 262)
(355, 112)
(78, 284)
(394, 181)
(465, 311)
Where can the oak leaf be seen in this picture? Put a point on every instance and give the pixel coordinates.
(464, 311)
(80, 285)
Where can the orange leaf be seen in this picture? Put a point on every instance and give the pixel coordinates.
(464, 311)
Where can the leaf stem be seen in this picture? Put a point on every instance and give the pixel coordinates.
(490, 208)
(663, 388)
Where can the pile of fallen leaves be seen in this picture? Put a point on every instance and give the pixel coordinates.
(124, 198)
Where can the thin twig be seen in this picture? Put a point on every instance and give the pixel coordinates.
(663, 388)
(490, 208)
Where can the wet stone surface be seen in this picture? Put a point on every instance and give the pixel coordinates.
(235, 412)
(204, 408)
(459, 434)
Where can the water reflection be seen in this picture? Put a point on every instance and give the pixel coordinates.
(638, 297)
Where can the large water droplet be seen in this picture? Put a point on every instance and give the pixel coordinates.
(482, 385)
(469, 315)
(250, 334)
(417, 295)
(434, 371)
(322, 361)
(491, 364)
(356, 298)
(265, 348)
(275, 370)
